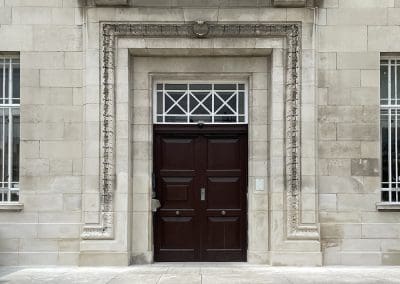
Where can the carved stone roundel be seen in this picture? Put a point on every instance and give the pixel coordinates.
(201, 29)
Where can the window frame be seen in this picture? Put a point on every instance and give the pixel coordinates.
(9, 108)
(203, 81)
(392, 110)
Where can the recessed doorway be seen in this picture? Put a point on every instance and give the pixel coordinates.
(201, 183)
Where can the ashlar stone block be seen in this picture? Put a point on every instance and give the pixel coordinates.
(364, 167)
(5, 16)
(365, 3)
(394, 16)
(60, 78)
(355, 131)
(358, 60)
(357, 16)
(31, 15)
(383, 38)
(343, 38)
(336, 184)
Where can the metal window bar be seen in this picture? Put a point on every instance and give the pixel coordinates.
(390, 113)
(9, 116)
(194, 102)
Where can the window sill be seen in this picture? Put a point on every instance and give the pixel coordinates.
(385, 206)
(11, 206)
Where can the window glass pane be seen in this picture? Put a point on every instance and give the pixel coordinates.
(225, 87)
(392, 84)
(385, 148)
(15, 147)
(159, 102)
(14, 196)
(393, 139)
(5, 78)
(204, 119)
(226, 119)
(398, 82)
(15, 83)
(241, 102)
(4, 147)
(177, 119)
(175, 87)
(200, 87)
(385, 196)
(1, 80)
(384, 84)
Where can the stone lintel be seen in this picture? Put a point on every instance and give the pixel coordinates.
(111, 2)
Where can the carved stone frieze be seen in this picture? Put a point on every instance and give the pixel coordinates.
(111, 2)
(290, 31)
(289, 3)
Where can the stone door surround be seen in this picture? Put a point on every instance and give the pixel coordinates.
(291, 32)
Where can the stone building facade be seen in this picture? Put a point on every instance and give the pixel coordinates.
(315, 90)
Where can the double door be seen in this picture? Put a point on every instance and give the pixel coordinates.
(201, 183)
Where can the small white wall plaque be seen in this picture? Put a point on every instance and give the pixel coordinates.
(260, 184)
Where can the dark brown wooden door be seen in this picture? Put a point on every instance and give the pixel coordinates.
(201, 182)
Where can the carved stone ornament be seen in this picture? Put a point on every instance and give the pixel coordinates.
(201, 29)
(289, 31)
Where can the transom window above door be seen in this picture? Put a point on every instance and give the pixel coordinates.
(200, 102)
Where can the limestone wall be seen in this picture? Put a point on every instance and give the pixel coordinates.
(351, 36)
(48, 36)
(59, 46)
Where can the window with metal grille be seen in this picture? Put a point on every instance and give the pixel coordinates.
(9, 128)
(390, 129)
(204, 102)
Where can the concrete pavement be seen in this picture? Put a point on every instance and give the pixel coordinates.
(199, 273)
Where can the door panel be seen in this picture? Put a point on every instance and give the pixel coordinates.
(223, 193)
(186, 159)
(176, 192)
(177, 154)
(223, 153)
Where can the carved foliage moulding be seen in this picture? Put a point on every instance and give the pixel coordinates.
(290, 31)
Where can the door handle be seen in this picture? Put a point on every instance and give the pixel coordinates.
(203, 194)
